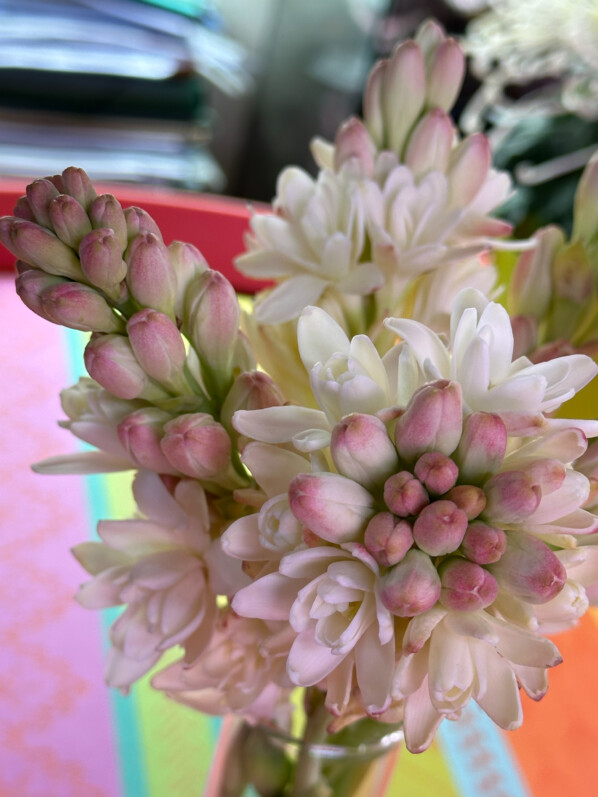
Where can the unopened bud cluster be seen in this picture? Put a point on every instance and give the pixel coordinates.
(165, 327)
(436, 506)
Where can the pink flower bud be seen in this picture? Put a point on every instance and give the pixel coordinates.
(140, 221)
(251, 390)
(439, 528)
(150, 277)
(69, 220)
(437, 472)
(40, 193)
(433, 421)
(530, 288)
(101, 261)
(529, 569)
(57, 181)
(212, 317)
(30, 285)
(430, 144)
(483, 544)
(403, 94)
(109, 360)
(525, 335)
(412, 586)
(387, 539)
(40, 247)
(188, 263)
(548, 474)
(353, 142)
(140, 434)
(333, 507)
(22, 209)
(80, 307)
(197, 445)
(158, 346)
(482, 447)
(469, 163)
(79, 186)
(445, 75)
(470, 499)
(106, 212)
(466, 587)
(362, 450)
(404, 494)
(511, 497)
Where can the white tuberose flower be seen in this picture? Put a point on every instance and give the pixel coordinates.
(316, 239)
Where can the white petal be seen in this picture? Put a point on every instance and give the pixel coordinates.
(273, 468)
(309, 662)
(268, 598)
(374, 665)
(289, 298)
(278, 424)
(421, 720)
(84, 462)
(499, 696)
(319, 337)
(425, 344)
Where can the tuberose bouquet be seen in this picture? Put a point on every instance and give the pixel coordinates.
(363, 484)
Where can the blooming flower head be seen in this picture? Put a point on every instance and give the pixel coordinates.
(442, 540)
(398, 196)
(165, 568)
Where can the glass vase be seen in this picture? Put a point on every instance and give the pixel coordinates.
(252, 761)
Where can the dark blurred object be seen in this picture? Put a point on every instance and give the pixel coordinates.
(117, 86)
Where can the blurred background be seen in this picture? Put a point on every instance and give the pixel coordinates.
(220, 95)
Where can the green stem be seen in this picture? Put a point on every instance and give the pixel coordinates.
(308, 767)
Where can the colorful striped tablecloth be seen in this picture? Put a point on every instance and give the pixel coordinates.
(64, 734)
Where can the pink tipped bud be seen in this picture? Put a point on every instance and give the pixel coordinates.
(69, 220)
(483, 544)
(482, 447)
(430, 144)
(109, 360)
(251, 390)
(437, 472)
(466, 587)
(405, 495)
(212, 317)
(106, 212)
(433, 421)
(22, 209)
(529, 569)
(403, 94)
(525, 335)
(57, 181)
(139, 221)
(40, 194)
(40, 247)
(362, 450)
(412, 586)
(101, 261)
(530, 288)
(333, 507)
(439, 528)
(197, 445)
(469, 163)
(387, 539)
(158, 346)
(511, 497)
(30, 285)
(80, 307)
(188, 263)
(471, 499)
(445, 75)
(353, 142)
(140, 434)
(549, 474)
(150, 277)
(77, 183)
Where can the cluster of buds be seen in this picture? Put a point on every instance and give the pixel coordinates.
(552, 296)
(165, 347)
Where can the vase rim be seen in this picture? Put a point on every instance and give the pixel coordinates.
(331, 750)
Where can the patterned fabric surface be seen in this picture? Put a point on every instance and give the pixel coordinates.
(63, 734)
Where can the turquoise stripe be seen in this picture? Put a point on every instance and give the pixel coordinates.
(124, 709)
(479, 757)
